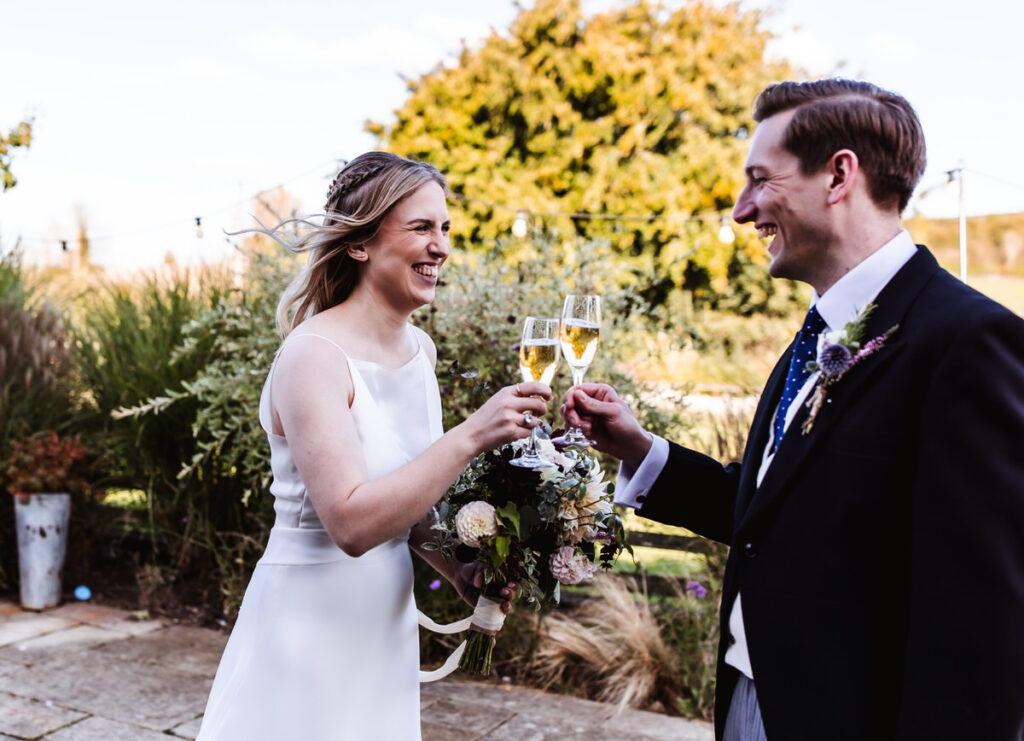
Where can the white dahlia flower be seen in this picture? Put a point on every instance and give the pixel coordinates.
(475, 522)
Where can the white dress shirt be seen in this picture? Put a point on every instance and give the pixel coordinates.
(838, 306)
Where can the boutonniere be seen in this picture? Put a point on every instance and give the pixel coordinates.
(838, 352)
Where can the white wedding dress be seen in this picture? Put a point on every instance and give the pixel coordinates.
(326, 646)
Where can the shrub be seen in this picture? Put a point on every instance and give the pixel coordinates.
(221, 479)
(35, 389)
(125, 354)
(47, 463)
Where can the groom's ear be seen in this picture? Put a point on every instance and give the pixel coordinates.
(842, 169)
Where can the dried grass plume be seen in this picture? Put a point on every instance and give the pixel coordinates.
(610, 650)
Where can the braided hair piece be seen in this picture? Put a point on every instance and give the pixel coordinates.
(350, 178)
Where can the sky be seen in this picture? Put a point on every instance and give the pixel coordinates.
(148, 115)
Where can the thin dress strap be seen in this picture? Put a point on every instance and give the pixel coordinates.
(265, 416)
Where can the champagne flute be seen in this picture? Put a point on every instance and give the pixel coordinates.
(579, 337)
(538, 360)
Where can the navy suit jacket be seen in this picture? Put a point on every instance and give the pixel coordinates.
(881, 560)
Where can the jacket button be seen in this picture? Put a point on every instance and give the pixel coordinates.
(748, 550)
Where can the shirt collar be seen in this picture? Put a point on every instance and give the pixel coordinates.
(859, 287)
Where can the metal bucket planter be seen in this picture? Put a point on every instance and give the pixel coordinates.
(42, 522)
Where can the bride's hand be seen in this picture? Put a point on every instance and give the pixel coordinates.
(468, 580)
(508, 415)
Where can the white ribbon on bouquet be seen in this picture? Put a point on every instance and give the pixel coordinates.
(487, 617)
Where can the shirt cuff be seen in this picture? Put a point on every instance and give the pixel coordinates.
(632, 487)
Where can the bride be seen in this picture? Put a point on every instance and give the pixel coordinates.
(326, 643)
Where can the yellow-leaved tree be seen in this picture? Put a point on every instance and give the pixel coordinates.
(628, 125)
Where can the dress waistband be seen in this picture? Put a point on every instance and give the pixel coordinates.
(299, 545)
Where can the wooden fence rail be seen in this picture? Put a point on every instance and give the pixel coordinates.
(669, 542)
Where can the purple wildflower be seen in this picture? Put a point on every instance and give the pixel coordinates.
(696, 589)
(436, 584)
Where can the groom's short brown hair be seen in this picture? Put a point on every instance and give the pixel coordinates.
(880, 126)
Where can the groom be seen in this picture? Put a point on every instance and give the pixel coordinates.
(875, 584)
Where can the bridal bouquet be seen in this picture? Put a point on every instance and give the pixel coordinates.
(540, 528)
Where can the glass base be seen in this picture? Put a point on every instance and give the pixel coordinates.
(573, 438)
(530, 460)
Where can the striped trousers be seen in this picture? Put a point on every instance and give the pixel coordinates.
(744, 720)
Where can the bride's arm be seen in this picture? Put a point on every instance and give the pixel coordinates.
(311, 391)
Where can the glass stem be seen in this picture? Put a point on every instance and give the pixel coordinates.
(577, 379)
(532, 450)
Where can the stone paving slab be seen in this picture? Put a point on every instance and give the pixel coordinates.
(85, 672)
(105, 617)
(28, 718)
(184, 648)
(102, 729)
(61, 643)
(472, 718)
(189, 729)
(658, 727)
(21, 626)
(434, 732)
(148, 695)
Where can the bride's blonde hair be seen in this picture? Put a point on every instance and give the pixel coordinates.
(359, 199)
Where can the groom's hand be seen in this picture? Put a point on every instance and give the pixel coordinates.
(607, 420)
(468, 580)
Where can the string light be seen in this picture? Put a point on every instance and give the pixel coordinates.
(726, 234)
(523, 215)
(520, 224)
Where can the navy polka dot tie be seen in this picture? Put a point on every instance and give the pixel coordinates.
(806, 349)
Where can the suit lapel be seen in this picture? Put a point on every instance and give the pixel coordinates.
(760, 430)
(892, 305)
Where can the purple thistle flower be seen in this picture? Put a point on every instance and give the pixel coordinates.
(834, 359)
(436, 584)
(696, 589)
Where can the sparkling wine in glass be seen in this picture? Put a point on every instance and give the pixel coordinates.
(538, 361)
(579, 337)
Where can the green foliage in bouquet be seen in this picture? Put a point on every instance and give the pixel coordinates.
(537, 513)
(538, 528)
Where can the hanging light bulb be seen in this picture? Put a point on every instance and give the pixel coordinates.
(725, 234)
(199, 227)
(520, 224)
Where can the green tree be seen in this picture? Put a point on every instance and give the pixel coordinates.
(639, 111)
(19, 136)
